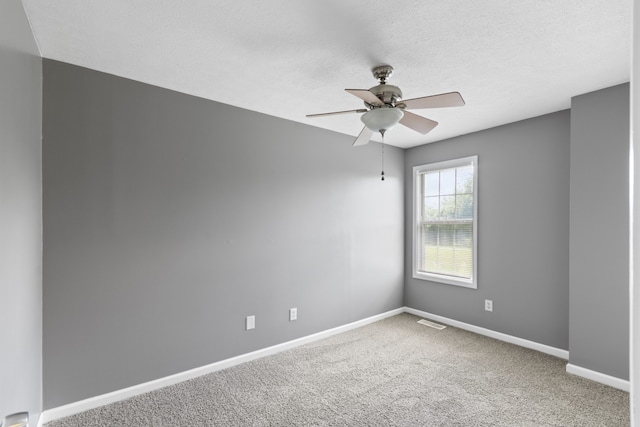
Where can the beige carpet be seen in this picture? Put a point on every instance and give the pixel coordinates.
(391, 373)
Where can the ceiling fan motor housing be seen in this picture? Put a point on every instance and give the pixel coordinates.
(388, 94)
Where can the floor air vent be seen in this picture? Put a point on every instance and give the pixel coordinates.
(431, 324)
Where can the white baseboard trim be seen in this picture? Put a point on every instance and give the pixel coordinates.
(553, 351)
(562, 354)
(614, 382)
(125, 393)
(105, 399)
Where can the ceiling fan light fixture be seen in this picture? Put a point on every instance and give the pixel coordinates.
(382, 119)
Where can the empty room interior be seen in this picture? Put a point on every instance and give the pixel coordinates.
(186, 187)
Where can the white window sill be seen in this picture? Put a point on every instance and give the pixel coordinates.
(449, 280)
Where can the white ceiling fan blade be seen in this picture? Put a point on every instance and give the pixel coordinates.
(451, 99)
(335, 113)
(418, 123)
(366, 96)
(364, 137)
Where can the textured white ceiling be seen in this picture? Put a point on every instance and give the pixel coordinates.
(510, 60)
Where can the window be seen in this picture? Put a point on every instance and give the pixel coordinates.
(445, 216)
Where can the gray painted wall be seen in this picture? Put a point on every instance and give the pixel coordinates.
(599, 311)
(523, 231)
(20, 214)
(169, 218)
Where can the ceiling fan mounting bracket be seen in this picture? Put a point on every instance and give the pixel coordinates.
(382, 73)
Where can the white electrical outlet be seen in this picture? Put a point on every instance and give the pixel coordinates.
(293, 314)
(488, 305)
(250, 322)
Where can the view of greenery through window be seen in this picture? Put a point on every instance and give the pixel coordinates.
(447, 222)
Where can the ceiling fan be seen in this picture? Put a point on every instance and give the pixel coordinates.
(386, 108)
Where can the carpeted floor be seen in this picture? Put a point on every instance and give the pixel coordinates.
(394, 372)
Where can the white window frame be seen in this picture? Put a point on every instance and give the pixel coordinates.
(417, 214)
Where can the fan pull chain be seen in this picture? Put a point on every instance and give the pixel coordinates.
(382, 173)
